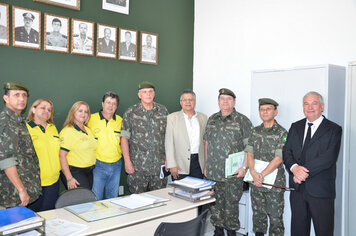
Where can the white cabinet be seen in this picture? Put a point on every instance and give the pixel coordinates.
(350, 153)
(287, 87)
(244, 212)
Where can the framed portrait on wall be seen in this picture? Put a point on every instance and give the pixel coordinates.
(82, 37)
(120, 6)
(56, 36)
(26, 28)
(149, 48)
(71, 4)
(128, 44)
(106, 41)
(4, 24)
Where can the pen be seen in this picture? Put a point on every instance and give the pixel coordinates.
(103, 205)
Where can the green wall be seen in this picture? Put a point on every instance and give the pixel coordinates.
(66, 78)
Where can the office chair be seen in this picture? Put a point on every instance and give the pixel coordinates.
(193, 227)
(75, 196)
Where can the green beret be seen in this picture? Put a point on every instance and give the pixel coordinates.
(145, 84)
(15, 86)
(226, 91)
(267, 101)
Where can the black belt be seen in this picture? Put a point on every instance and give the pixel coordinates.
(195, 155)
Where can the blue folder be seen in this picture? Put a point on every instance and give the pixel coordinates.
(14, 215)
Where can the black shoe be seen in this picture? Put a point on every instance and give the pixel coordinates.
(259, 234)
(231, 233)
(219, 231)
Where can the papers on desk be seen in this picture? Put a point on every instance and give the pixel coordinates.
(60, 227)
(193, 183)
(93, 211)
(135, 201)
(259, 167)
(18, 219)
(193, 197)
(233, 163)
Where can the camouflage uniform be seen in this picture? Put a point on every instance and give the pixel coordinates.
(145, 130)
(265, 144)
(225, 135)
(16, 149)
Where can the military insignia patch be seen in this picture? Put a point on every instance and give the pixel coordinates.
(285, 138)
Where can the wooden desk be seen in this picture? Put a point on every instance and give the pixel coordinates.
(137, 223)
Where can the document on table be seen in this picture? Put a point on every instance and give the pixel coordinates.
(233, 163)
(93, 211)
(259, 167)
(60, 227)
(135, 201)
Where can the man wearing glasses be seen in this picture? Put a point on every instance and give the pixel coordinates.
(184, 139)
(266, 144)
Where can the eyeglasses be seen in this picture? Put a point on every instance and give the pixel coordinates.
(111, 103)
(187, 99)
(267, 109)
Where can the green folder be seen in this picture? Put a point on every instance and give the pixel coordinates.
(233, 163)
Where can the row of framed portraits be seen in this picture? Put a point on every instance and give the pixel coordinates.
(26, 32)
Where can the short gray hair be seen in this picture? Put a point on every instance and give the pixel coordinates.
(187, 91)
(321, 99)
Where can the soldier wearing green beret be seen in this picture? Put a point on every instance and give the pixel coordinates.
(20, 182)
(266, 144)
(142, 141)
(227, 132)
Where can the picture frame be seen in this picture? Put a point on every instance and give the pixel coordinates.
(120, 6)
(106, 41)
(26, 28)
(148, 48)
(71, 4)
(56, 33)
(128, 44)
(4, 24)
(82, 37)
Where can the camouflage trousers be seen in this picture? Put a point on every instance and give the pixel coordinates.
(225, 210)
(139, 183)
(271, 205)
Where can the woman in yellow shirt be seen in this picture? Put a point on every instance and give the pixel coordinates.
(45, 139)
(77, 155)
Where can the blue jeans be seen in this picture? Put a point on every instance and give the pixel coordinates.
(48, 198)
(106, 178)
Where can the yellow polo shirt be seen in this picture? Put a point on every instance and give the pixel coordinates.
(46, 143)
(108, 135)
(79, 145)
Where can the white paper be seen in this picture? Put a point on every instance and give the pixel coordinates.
(59, 227)
(259, 167)
(138, 200)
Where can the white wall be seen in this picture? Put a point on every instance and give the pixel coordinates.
(234, 37)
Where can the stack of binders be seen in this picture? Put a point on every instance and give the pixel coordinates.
(192, 189)
(20, 219)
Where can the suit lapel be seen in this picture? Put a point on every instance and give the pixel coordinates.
(322, 129)
(300, 131)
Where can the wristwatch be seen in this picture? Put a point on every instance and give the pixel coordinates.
(245, 167)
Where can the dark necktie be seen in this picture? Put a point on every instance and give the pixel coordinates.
(306, 143)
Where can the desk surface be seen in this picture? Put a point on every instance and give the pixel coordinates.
(172, 207)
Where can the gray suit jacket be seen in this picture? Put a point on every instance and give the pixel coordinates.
(177, 141)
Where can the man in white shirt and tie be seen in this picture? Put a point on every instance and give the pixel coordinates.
(184, 139)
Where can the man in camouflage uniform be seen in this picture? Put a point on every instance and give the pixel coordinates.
(20, 182)
(226, 133)
(142, 141)
(266, 144)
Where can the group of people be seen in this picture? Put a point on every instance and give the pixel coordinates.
(87, 153)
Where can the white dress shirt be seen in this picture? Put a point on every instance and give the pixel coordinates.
(193, 130)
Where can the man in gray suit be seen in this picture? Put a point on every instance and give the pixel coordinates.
(184, 139)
